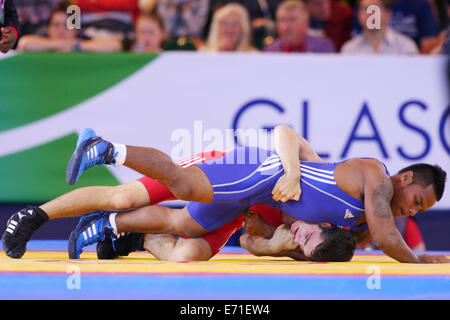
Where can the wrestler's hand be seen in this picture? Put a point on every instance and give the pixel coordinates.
(287, 188)
(8, 39)
(282, 239)
(428, 258)
(255, 225)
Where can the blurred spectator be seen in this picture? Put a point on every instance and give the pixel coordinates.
(292, 20)
(262, 18)
(147, 6)
(443, 44)
(34, 15)
(411, 233)
(381, 40)
(415, 19)
(440, 10)
(62, 39)
(9, 26)
(183, 20)
(331, 19)
(230, 30)
(149, 35)
(107, 18)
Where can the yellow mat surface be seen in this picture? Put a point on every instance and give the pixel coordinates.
(142, 263)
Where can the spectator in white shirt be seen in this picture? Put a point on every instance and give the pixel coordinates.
(378, 39)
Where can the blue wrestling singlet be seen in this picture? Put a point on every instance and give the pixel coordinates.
(247, 176)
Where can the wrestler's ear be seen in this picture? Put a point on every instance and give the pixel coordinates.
(326, 224)
(407, 177)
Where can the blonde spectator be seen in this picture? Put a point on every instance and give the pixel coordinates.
(230, 30)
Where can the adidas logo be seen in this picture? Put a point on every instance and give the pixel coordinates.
(21, 215)
(11, 227)
(91, 231)
(92, 153)
(348, 214)
(13, 223)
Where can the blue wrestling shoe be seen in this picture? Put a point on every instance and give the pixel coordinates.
(91, 150)
(91, 229)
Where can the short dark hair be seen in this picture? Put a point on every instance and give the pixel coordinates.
(426, 174)
(338, 246)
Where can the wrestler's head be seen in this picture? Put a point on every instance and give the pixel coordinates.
(417, 188)
(324, 242)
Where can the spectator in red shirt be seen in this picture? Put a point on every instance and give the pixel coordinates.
(292, 20)
(102, 18)
(331, 19)
(410, 231)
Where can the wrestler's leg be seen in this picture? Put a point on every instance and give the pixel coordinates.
(190, 184)
(91, 199)
(167, 247)
(158, 219)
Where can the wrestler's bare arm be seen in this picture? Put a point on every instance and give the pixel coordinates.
(264, 239)
(281, 244)
(378, 193)
(291, 147)
(363, 237)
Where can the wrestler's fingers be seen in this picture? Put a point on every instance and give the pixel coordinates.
(296, 197)
(276, 194)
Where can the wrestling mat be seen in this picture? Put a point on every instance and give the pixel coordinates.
(45, 272)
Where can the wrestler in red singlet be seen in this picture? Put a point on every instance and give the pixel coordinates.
(158, 192)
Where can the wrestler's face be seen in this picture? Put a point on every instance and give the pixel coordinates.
(410, 198)
(308, 235)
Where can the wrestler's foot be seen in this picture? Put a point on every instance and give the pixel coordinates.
(91, 228)
(91, 150)
(19, 229)
(121, 247)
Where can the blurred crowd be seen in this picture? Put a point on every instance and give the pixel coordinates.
(404, 27)
(296, 26)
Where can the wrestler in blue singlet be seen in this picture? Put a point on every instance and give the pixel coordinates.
(247, 176)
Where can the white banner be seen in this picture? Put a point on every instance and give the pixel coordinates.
(395, 109)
